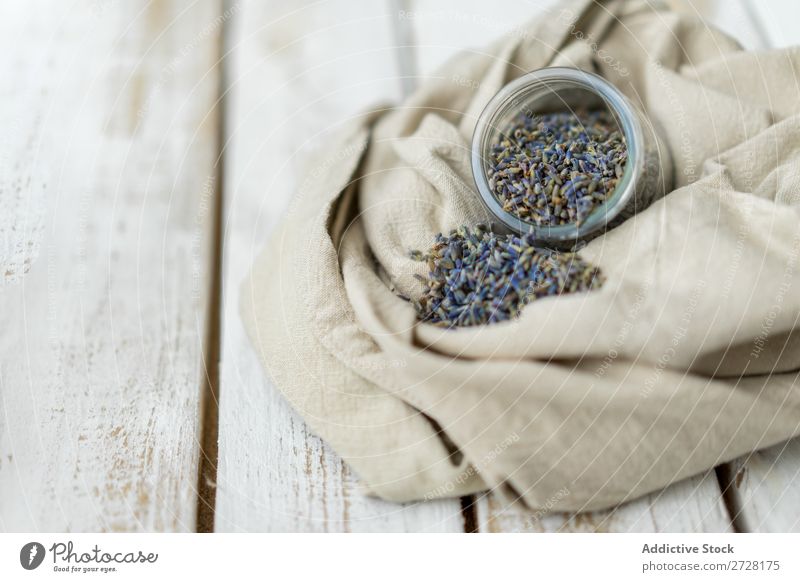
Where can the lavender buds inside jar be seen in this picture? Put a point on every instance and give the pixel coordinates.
(561, 155)
(556, 168)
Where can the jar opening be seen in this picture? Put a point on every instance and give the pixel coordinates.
(545, 97)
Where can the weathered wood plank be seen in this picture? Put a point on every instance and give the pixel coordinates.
(693, 505)
(107, 174)
(299, 70)
(443, 28)
(732, 16)
(775, 21)
(765, 489)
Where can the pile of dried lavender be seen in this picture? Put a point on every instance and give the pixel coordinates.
(556, 168)
(477, 277)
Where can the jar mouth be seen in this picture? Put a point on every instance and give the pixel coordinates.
(522, 94)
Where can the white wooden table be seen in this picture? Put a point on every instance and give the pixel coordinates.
(147, 150)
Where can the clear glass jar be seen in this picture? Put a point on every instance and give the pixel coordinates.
(648, 169)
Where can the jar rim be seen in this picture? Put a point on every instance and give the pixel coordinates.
(620, 107)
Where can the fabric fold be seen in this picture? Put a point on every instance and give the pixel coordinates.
(688, 356)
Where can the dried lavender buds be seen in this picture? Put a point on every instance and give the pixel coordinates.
(477, 277)
(556, 168)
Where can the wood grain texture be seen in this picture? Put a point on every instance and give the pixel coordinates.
(107, 171)
(107, 192)
(298, 70)
(765, 486)
(774, 21)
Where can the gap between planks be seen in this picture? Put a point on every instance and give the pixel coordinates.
(728, 477)
(209, 400)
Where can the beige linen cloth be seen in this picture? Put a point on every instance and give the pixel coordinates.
(687, 357)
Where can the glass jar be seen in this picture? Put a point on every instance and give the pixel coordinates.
(647, 172)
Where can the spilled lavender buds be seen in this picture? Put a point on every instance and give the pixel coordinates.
(477, 277)
(556, 168)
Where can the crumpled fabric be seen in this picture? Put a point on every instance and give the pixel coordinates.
(687, 357)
